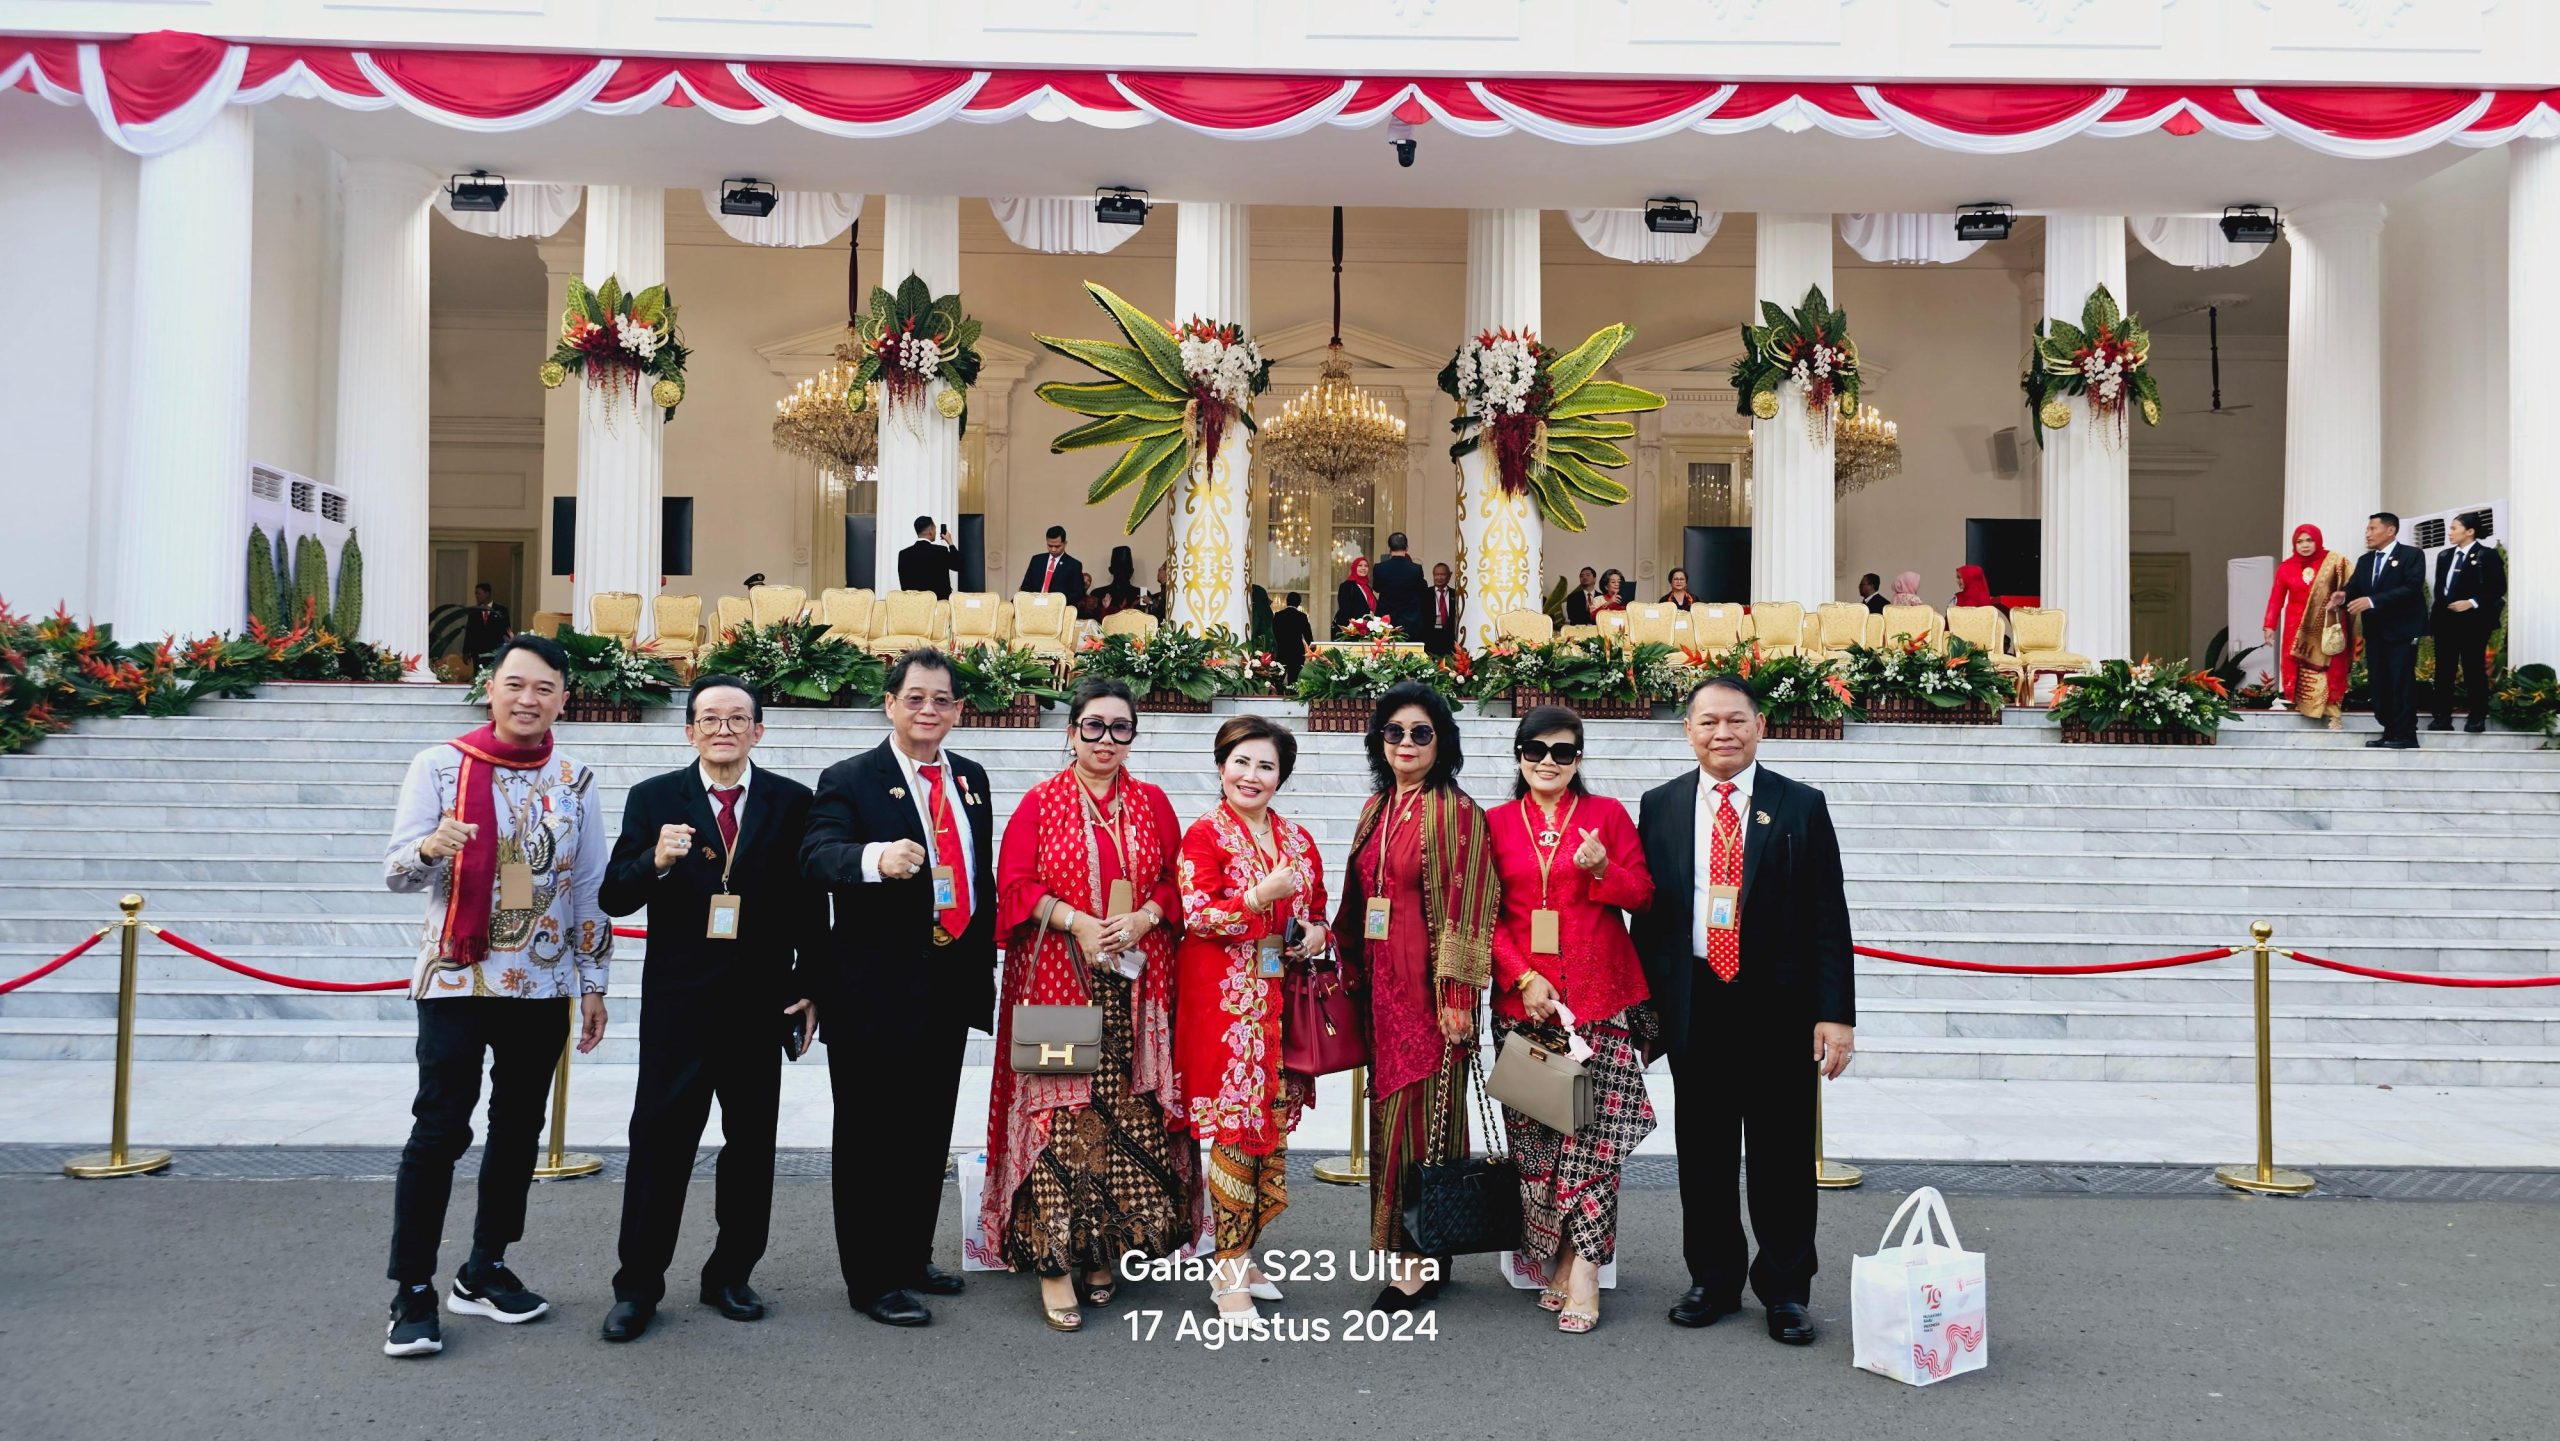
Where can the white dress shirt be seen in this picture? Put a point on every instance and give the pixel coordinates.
(1704, 841)
(2453, 572)
(917, 793)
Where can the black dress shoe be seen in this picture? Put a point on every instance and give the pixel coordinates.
(895, 1308)
(1695, 1309)
(938, 1282)
(1391, 1300)
(737, 1300)
(1790, 1323)
(627, 1320)
(2377, 743)
(2475, 727)
(2439, 724)
(2401, 745)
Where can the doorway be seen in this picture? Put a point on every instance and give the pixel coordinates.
(1310, 535)
(2163, 610)
(459, 562)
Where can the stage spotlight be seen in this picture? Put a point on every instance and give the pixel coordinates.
(1984, 220)
(2250, 224)
(749, 196)
(1671, 215)
(1119, 205)
(478, 190)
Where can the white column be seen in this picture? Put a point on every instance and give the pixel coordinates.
(1501, 553)
(2533, 424)
(621, 451)
(2088, 534)
(381, 458)
(182, 563)
(919, 450)
(1213, 279)
(1792, 495)
(2333, 369)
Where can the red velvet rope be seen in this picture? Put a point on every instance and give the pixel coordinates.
(2109, 968)
(632, 933)
(270, 977)
(57, 963)
(2406, 978)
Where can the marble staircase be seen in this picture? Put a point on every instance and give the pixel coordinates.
(256, 827)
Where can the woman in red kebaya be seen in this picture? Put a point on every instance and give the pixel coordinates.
(1571, 866)
(2314, 680)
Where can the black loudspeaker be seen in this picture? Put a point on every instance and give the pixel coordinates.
(564, 535)
(1718, 559)
(971, 537)
(2010, 552)
(675, 535)
(859, 564)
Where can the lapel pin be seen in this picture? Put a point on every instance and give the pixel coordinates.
(709, 854)
(897, 793)
(1761, 817)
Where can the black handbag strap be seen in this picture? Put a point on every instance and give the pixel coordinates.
(1436, 1145)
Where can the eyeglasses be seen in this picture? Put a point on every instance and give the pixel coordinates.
(918, 701)
(723, 724)
(1093, 730)
(1563, 753)
(1395, 734)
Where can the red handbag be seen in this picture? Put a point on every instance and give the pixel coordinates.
(1321, 1028)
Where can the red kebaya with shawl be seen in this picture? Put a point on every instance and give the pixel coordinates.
(2313, 682)
(1227, 1028)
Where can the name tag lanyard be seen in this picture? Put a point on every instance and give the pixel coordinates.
(515, 877)
(720, 923)
(1267, 951)
(1545, 930)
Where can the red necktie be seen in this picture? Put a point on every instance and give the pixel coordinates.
(946, 849)
(728, 800)
(1724, 868)
(1444, 609)
(1048, 575)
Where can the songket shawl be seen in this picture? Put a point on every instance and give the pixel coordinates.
(1461, 897)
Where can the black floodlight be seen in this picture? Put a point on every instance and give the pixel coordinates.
(477, 191)
(1671, 215)
(749, 196)
(1119, 205)
(2250, 224)
(1984, 220)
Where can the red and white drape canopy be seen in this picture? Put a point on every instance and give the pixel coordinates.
(152, 93)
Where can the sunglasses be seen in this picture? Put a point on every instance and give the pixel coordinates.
(1093, 730)
(1563, 753)
(1395, 734)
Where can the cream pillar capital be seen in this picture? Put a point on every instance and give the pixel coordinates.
(2337, 218)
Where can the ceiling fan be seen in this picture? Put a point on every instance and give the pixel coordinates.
(2212, 309)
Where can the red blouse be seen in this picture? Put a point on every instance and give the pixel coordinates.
(1226, 1027)
(1595, 972)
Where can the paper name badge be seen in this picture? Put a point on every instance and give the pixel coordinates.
(1122, 900)
(946, 888)
(1266, 956)
(515, 886)
(1724, 905)
(1545, 936)
(1374, 920)
(723, 922)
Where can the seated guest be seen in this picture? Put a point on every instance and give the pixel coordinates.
(1613, 592)
(1122, 593)
(1972, 587)
(1906, 589)
(1583, 599)
(1871, 593)
(1679, 593)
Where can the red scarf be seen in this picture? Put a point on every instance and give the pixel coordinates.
(475, 871)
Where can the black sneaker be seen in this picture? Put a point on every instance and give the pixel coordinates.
(493, 1291)
(414, 1328)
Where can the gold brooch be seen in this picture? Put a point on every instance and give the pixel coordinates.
(709, 854)
(898, 793)
(1762, 817)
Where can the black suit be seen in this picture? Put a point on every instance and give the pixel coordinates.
(483, 626)
(1438, 639)
(928, 565)
(1739, 1050)
(711, 1020)
(2462, 636)
(1070, 581)
(1350, 604)
(1291, 634)
(1577, 608)
(1403, 594)
(2395, 580)
(899, 1009)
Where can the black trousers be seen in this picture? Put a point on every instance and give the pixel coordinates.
(2462, 650)
(1745, 1078)
(892, 1145)
(522, 1040)
(694, 1049)
(2393, 664)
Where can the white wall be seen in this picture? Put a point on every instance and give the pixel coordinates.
(2444, 340)
(293, 318)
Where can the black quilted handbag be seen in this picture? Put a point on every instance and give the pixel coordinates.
(1466, 1205)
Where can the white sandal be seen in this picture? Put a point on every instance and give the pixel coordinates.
(1218, 1293)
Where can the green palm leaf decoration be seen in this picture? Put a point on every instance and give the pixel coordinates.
(2105, 360)
(1147, 400)
(1544, 414)
(1810, 347)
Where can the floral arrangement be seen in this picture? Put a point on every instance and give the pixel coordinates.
(1363, 672)
(1173, 661)
(2144, 695)
(1811, 348)
(2105, 360)
(1544, 414)
(797, 660)
(603, 671)
(1373, 628)
(1168, 394)
(234, 666)
(1586, 668)
(1791, 689)
(2256, 696)
(618, 341)
(1909, 668)
(2527, 698)
(911, 339)
(1672, 675)
(991, 677)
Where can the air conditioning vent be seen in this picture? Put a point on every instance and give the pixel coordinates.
(2430, 533)
(333, 506)
(266, 484)
(303, 491)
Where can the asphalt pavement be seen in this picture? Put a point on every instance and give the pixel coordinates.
(218, 1308)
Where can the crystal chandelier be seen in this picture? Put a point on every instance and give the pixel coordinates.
(1865, 448)
(816, 420)
(1334, 432)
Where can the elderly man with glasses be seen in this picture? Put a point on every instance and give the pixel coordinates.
(904, 836)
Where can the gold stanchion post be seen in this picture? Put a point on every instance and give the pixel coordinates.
(2264, 1178)
(560, 1163)
(119, 1159)
(1353, 1170)
(1828, 1174)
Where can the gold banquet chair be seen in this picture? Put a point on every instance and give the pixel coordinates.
(977, 618)
(774, 604)
(1044, 625)
(547, 623)
(849, 612)
(1652, 624)
(615, 613)
(1580, 632)
(1718, 628)
(1979, 626)
(1778, 626)
(678, 620)
(729, 613)
(1915, 621)
(1528, 627)
(2040, 634)
(1836, 626)
(1129, 622)
(911, 618)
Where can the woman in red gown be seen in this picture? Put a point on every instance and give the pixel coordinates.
(1082, 1169)
(1575, 857)
(2314, 680)
(1247, 875)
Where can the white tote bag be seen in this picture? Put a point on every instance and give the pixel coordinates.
(1918, 1310)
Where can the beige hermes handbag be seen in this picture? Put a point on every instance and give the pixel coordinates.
(1549, 1087)
(1057, 1040)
